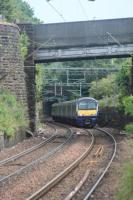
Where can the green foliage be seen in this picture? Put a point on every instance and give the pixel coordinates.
(17, 10)
(112, 101)
(24, 43)
(11, 113)
(39, 81)
(129, 128)
(128, 105)
(126, 188)
(6, 9)
(102, 103)
(104, 87)
(123, 78)
(110, 86)
(76, 75)
(21, 10)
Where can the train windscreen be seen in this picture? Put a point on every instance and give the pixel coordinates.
(87, 105)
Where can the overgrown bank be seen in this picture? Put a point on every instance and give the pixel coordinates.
(13, 50)
(12, 116)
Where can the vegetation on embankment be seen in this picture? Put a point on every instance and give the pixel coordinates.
(115, 91)
(24, 43)
(125, 191)
(11, 114)
(18, 11)
(128, 108)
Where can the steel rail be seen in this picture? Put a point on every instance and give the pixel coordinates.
(29, 150)
(63, 174)
(37, 161)
(107, 167)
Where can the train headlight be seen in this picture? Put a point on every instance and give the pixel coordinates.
(80, 114)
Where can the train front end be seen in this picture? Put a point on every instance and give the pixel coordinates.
(87, 111)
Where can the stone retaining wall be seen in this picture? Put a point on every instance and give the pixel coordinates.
(12, 75)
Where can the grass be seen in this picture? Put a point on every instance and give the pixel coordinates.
(126, 188)
(129, 128)
(11, 113)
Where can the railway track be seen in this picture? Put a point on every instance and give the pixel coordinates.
(26, 152)
(78, 189)
(10, 163)
(99, 179)
(40, 139)
(63, 174)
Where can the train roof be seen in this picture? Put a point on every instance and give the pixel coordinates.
(90, 98)
(76, 100)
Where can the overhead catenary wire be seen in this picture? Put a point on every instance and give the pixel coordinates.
(56, 10)
(117, 41)
(41, 45)
(50, 39)
(83, 9)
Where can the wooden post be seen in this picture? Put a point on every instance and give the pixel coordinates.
(132, 76)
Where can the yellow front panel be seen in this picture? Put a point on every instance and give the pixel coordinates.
(87, 112)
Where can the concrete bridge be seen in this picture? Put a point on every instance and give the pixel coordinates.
(80, 40)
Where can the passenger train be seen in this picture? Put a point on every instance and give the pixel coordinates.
(81, 112)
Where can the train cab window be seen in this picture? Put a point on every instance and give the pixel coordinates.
(87, 105)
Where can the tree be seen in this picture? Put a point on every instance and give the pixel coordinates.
(128, 105)
(123, 78)
(6, 8)
(17, 10)
(103, 87)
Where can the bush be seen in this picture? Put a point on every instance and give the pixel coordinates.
(103, 87)
(129, 128)
(128, 105)
(126, 188)
(24, 43)
(112, 101)
(11, 114)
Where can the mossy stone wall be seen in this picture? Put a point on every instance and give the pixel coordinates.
(12, 74)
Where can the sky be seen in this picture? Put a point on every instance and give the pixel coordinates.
(80, 10)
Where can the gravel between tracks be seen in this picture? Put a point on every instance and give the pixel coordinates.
(24, 160)
(27, 143)
(67, 185)
(29, 182)
(108, 188)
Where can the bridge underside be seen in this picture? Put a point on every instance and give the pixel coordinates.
(80, 40)
(75, 40)
(83, 53)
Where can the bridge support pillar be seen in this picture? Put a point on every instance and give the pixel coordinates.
(30, 75)
(31, 94)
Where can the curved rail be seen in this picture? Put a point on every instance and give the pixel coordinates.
(36, 162)
(107, 167)
(60, 176)
(29, 150)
